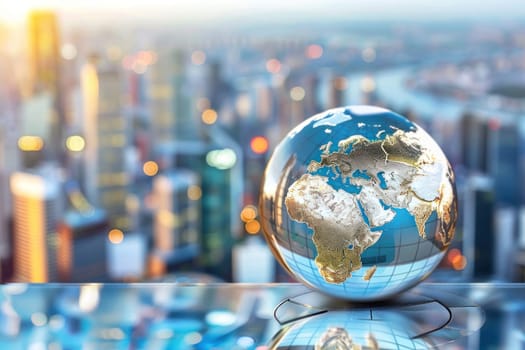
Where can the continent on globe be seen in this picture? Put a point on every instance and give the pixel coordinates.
(369, 273)
(395, 172)
(340, 232)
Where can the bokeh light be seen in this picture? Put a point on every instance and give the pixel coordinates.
(150, 168)
(297, 93)
(198, 57)
(194, 192)
(248, 213)
(259, 144)
(314, 51)
(75, 143)
(369, 54)
(340, 83)
(39, 319)
(209, 116)
(221, 159)
(273, 66)
(252, 227)
(30, 143)
(368, 84)
(116, 236)
(459, 262)
(68, 51)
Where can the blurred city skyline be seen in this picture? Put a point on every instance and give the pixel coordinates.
(144, 138)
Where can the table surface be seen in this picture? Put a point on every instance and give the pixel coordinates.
(229, 316)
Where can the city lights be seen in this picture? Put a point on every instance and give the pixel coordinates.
(340, 83)
(248, 213)
(368, 84)
(68, 51)
(168, 219)
(259, 144)
(314, 51)
(221, 318)
(194, 192)
(368, 54)
(39, 319)
(30, 143)
(209, 116)
(193, 338)
(221, 159)
(273, 66)
(75, 143)
(89, 297)
(297, 93)
(456, 259)
(243, 105)
(116, 236)
(252, 227)
(198, 57)
(164, 333)
(150, 168)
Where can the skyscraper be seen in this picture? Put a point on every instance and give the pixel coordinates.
(337, 92)
(105, 128)
(160, 99)
(44, 62)
(177, 218)
(82, 236)
(37, 206)
(9, 159)
(172, 111)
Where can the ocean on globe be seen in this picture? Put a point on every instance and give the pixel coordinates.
(358, 202)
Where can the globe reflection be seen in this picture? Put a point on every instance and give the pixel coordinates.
(354, 330)
(359, 203)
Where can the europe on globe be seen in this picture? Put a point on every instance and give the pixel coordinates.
(358, 202)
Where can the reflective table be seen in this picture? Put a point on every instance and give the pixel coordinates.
(257, 316)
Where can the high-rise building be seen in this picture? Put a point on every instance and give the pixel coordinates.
(82, 238)
(183, 110)
(160, 96)
(37, 206)
(36, 132)
(475, 147)
(177, 216)
(44, 63)
(82, 246)
(219, 165)
(311, 98)
(337, 92)
(505, 160)
(172, 111)
(9, 153)
(44, 55)
(105, 127)
(479, 236)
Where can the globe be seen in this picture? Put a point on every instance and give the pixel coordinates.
(358, 202)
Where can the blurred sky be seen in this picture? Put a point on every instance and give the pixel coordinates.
(14, 11)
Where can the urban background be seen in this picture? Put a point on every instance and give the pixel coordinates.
(133, 140)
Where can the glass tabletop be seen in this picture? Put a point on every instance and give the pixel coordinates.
(257, 316)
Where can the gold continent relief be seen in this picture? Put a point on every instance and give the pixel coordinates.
(412, 179)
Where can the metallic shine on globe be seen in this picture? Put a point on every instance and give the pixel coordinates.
(358, 202)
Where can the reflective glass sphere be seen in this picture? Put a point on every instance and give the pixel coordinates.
(359, 203)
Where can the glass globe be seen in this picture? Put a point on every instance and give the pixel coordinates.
(359, 203)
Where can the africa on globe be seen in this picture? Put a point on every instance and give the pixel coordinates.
(358, 202)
